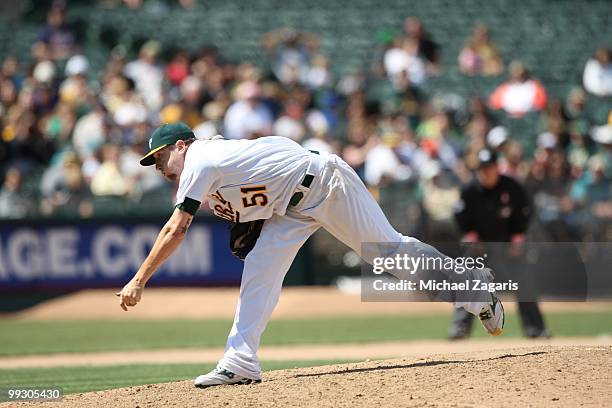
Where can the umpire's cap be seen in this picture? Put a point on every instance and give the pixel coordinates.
(486, 157)
(163, 136)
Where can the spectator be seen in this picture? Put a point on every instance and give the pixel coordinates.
(520, 94)
(119, 98)
(109, 180)
(74, 90)
(214, 75)
(403, 64)
(477, 133)
(14, 202)
(8, 93)
(511, 160)
(553, 119)
(90, 132)
(599, 195)
(57, 40)
(290, 52)
(191, 100)
(10, 71)
(593, 194)
(248, 117)
(178, 69)
(382, 165)
(147, 75)
(319, 128)
(27, 149)
(440, 194)
(477, 128)
(593, 188)
(603, 136)
(188, 107)
(438, 137)
(212, 113)
(479, 55)
(580, 117)
(512, 163)
(291, 123)
(426, 47)
(385, 39)
(597, 78)
(549, 181)
(64, 190)
(319, 75)
(357, 147)
(57, 126)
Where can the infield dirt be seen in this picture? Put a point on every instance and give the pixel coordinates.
(543, 376)
(502, 372)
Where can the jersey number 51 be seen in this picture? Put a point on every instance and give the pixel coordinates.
(255, 195)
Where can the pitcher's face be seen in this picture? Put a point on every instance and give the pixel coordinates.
(170, 160)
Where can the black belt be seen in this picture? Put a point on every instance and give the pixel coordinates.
(298, 195)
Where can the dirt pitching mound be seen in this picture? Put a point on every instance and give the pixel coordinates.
(532, 376)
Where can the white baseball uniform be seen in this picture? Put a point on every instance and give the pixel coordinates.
(245, 180)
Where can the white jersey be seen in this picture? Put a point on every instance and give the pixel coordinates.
(244, 180)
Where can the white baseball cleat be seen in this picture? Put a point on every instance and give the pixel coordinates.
(492, 316)
(221, 376)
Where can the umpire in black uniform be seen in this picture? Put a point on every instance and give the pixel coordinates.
(494, 208)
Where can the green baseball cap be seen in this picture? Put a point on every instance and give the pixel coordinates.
(163, 136)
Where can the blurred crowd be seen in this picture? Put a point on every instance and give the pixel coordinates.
(70, 135)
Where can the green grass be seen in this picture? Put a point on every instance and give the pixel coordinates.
(45, 337)
(89, 378)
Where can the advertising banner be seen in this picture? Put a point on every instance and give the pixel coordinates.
(93, 254)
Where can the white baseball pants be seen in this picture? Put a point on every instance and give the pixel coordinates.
(337, 201)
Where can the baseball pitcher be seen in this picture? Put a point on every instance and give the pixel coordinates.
(278, 194)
